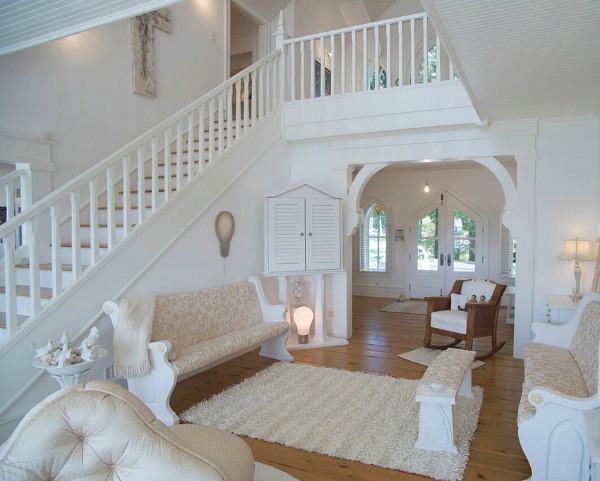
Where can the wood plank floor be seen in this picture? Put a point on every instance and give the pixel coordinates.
(378, 338)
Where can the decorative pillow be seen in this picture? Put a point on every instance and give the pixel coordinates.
(174, 353)
(458, 300)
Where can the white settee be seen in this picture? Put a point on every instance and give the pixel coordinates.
(195, 331)
(99, 431)
(559, 411)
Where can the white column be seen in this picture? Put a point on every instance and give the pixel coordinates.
(320, 328)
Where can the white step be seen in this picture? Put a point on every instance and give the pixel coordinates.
(23, 300)
(22, 274)
(86, 253)
(133, 214)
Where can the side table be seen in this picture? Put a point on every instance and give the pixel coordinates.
(560, 308)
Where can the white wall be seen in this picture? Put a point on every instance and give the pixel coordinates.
(79, 89)
(402, 193)
(567, 205)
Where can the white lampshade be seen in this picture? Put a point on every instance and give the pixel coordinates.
(577, 249)
(303, 317)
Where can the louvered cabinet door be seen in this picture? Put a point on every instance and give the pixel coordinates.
(286, 234)
(323, 245)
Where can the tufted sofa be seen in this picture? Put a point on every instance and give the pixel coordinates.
(559, 412)
(100, 431)
(197, 330)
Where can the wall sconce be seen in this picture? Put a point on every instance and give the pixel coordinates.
(224, 227)
(303, 317)
(577, 250)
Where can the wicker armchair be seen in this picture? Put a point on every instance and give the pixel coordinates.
(468, 312)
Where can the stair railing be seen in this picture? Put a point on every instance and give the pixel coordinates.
(181, 146)
(345, 61)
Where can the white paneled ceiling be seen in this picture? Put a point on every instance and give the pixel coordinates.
(24, 23)
(524, 58)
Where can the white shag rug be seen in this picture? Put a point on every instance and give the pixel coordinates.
(362, 417)
(425, 356)
(264, 472)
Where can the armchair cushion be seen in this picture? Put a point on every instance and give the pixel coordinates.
(458, 300)
(455, 321)
(478, 288)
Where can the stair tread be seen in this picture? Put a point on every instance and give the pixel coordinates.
(47, 266)
(20, 319)
(120, 207)
(45, 292)
(84, 245)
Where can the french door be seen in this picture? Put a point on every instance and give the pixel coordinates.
(446, 239)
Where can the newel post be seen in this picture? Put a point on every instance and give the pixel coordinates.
(280, 32)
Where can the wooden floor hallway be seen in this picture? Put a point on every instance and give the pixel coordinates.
(378, 338)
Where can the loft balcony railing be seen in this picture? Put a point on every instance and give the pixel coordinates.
(391, 53)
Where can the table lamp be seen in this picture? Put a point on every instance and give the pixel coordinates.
(577, 250)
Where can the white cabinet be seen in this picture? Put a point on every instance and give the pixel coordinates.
(303, 234)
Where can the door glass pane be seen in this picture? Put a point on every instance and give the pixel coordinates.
(464, 242)
(427, 242)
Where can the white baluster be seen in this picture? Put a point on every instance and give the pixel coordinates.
(201, 132)
(413, 77)
(302, 71)
(94, 238)
(238, 108)
(400, 56)
(425, 51)
(141, 185)
(75, 236)
(254, 81)
(154, 183)
(438, 58)
(56, 247)
(312, 68)
(211, 124)
(190, 146)
(332, 63)
(229, 102)
(365, 60)
(10, 200)
(376, 58)
(178, 157)
(322, 67)
(126, 196)
(268, 87)
(353, 61)
(261, 91)
(388, 56)
(292, 76)
(34, 267)
(343, 63)
(220, 126)
(246, 102)
(167, 159)
(110, 207)
(10, 288)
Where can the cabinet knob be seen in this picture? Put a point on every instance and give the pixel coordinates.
(310, 234)
(301, 234)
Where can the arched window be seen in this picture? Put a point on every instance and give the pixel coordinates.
(382, 79)
(374, 240)
(431, 66)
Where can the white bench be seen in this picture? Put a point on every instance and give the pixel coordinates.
(195, 331)
(559, 412)
(446, 378)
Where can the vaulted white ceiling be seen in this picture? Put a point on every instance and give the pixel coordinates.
(24, 23)
(524, 58)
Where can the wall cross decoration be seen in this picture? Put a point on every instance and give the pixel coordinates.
(142, 45)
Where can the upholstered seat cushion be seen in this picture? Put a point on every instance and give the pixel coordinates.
(451, 320)
(221, 447)
(549, 367)
(200, 355)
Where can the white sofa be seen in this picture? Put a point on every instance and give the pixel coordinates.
(99, 431)
(559, 411)
(195, 331)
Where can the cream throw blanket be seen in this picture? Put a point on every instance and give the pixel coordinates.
(132, 335)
